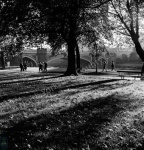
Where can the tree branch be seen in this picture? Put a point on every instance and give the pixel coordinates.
(137, 21)
(131, 15)
(124, 33)
(99, 4)
(121, 18)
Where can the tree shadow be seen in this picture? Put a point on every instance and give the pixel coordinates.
(102, 86)
(111, 86)
(86, 84)
(29, 88)
(45, 74)
(20, 80)
(100, 73)
(73, 128)
(23, 89)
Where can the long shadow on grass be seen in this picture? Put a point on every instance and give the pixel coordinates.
(23, 89)
(47, 88)
(103, 87)
(100, 73)
(86, 84)
(21, 79)
(26, 88)
(74, 127)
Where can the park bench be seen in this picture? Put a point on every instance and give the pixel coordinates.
(130, 73)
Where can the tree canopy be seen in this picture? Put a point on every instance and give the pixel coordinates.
(61, 21)
(126, 16)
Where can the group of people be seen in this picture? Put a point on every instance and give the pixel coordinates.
(23, 66)
(42, 66)
(112, 66)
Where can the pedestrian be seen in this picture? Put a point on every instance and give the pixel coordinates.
(25, 66)
(104, 66)
(113, 66)
(21, 67)
(40, 66)
(45, 66)
(142, 69)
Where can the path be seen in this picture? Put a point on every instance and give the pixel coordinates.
(56, 71)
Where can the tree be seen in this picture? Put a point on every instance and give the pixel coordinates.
(11, 39)
(67, 22)
(127, 15)
(97, 51)
(62, 21)
(10, 46)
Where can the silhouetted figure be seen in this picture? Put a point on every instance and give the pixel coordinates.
(104, 66)
(25, 66)
(40, 66)
(21, 67)
(142, 69)
(45, 66)
(112, 66)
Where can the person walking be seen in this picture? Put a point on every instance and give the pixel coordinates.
(40, 66)
(25, 66)
(104, 66)
(45, 66)
(113, 66)
(21, 67)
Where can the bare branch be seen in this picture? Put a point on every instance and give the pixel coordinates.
(124, 33)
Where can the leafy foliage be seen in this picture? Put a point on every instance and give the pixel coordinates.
(11, 46)
(56, 17)
(126, 19)
(63, 22)
(99, 52)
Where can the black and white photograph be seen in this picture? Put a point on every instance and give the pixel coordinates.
(71, 74)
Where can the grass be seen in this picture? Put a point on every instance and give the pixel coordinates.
(84, 112)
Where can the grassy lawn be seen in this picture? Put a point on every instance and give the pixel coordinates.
(40, 111)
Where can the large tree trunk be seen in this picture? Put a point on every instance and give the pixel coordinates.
(71, 69)
(2, 60)
(78, 58)
(139, 50)
(71, 42)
